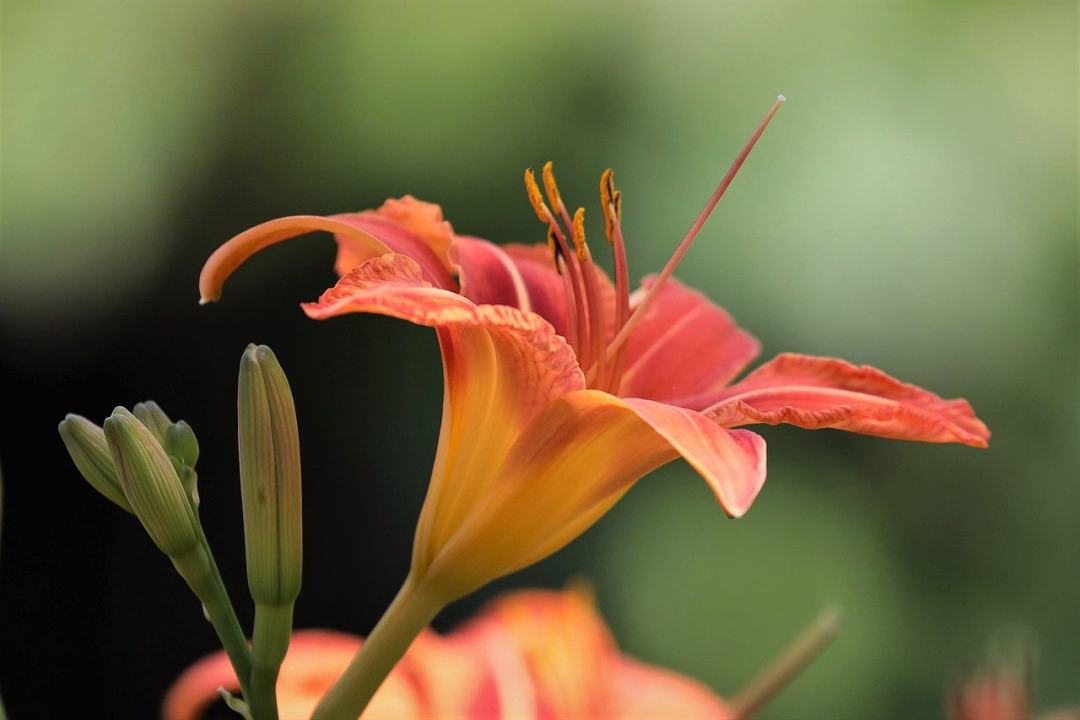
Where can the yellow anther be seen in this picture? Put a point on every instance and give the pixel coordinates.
(535, 198)
(553, 246)
(552, 188)
(579, 234)
(610, 197)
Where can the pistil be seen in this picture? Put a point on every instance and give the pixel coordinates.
(676, 257)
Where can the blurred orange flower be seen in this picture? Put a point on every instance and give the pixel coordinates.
(995, 696)
(1004, 688)
(532, 654)
(563, 388)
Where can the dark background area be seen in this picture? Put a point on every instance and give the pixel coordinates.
(913, 207)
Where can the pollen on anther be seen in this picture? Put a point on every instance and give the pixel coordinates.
(551, 187)
(553, 246)
(535, 198)
(610, 197)
(579, 231)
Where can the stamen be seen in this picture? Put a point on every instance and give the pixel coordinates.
(594, 338)
(552, 190)
(578, 235)
(611, 204)
(553, 247)
(622, 291)
(688, 239)
(573, 334)
(609, 195)
(535, 198)
(576, 299)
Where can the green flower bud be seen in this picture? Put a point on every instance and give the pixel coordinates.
(183, 450)
(269, 478)
(151, 484)
(181, 444)
(153, 417)
(86, 444)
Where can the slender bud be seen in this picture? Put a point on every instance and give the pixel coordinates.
(89, 450)
(151, 484)
(269, 478)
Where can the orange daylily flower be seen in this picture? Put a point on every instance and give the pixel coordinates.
(563, 388)
(531, 654)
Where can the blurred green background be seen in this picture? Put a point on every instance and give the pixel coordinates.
(913, 207)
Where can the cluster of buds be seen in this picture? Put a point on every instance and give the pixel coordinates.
(144, 463)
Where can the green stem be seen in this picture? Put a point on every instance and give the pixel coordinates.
(198, 569)
(231, 624)
(3, 714)
(799, 653)
(410, 612)
(269, 643)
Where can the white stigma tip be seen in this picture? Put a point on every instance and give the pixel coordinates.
(781, 98)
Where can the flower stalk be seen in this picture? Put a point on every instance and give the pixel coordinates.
(3, 713)
(410, 612)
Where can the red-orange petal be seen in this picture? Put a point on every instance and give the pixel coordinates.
(685, 350)
(817, 392)
(647, 692)
(396, 231)
(406, 226)
(550, 655)
(732, 462)
(547, 653)
(511, 275)
(423, 220)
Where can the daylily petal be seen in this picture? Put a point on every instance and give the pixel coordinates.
(520, 276)
(685, 350)
(501, 366)
(551, 655)
(732, 462)
(360, 236)
(423, 220)
(816, 392)
(646, 692)
(315, 660)
(449, 677)
(562, 648)
(571, 464)
(407, 226)
(546, 289)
